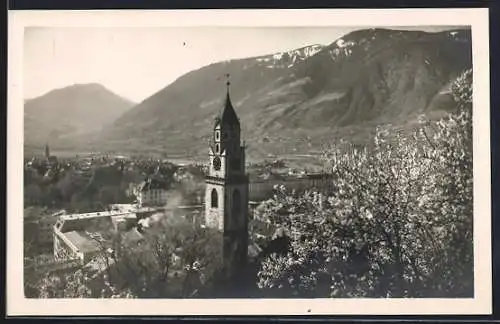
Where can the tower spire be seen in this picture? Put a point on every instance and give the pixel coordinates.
(228, 83)
(228, 98)
(228, 114)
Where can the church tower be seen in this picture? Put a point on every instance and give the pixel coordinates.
(226, 198)
(47, 151)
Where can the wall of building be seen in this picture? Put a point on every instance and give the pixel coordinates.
(235, 222)
(62, 250)
(153, 197)
(214, 215)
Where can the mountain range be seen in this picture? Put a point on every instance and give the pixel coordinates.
(297, 101)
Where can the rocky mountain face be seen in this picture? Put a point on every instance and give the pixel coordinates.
(296, 102)
(71, 111)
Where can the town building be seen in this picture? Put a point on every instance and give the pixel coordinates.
(83, 236)
(153, 191)
(226, 193)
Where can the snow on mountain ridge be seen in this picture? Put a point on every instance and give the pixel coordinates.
(458, 36)
(289, 58)
(341, 43)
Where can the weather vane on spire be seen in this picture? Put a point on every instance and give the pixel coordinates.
(227, 80)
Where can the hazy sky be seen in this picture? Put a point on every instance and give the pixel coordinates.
(137, 62)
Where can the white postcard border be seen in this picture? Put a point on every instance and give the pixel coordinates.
(476, 18)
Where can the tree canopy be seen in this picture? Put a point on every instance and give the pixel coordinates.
(399, 223)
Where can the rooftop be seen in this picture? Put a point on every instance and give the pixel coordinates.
(107, 213)
(153, 183)
(82, 241)
(76, 222)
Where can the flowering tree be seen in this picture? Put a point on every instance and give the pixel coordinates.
(48, 284)
(399, 223)
(174, 259)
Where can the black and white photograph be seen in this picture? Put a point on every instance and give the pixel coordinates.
(330, 156)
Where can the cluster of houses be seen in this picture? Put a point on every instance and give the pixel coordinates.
(70, 235)
(79, 237)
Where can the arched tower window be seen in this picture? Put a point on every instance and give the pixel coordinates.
(236, 202)
(215, 199)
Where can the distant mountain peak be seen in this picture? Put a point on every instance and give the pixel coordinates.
(78, 86)
(89, 85)
(75, 109)
(81, 89)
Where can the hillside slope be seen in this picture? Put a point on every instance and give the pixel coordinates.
(296, 101)
(71, 111)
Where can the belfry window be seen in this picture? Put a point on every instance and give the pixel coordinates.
(214, 199)
(217, 135)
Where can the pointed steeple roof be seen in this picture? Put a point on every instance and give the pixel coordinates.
(228, 116)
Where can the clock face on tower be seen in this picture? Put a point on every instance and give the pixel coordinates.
(216, 163)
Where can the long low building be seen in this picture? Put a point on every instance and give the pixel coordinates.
(83, 236)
